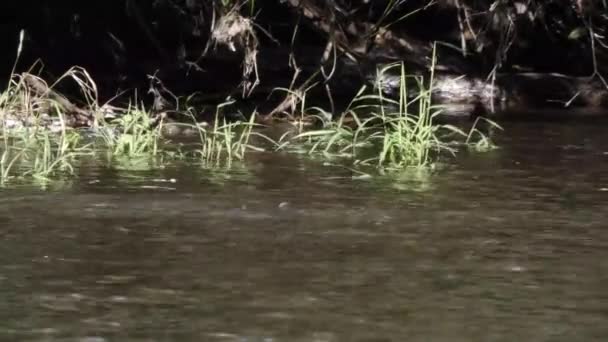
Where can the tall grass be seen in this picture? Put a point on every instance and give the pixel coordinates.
(134, 134)
(38, 153)
(392, 134)
(49, 154)
(29, 148)
(381, 131)
(7, 162)
(406, 138)
(222, 143)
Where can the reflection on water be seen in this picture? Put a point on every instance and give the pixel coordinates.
(496, 247)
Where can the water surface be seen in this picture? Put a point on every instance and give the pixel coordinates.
(499, 246)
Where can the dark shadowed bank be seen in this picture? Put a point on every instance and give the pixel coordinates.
(492, 56)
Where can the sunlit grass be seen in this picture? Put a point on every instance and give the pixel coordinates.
(222, 143)
(7, 162)
(38, 154)
(379, 131)
(374, 131)
(134, 134)
(335, 139)
(36, 141)
(407, 139)
(392, 134)
(477, 140)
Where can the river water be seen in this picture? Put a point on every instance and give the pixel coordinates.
(500, 246)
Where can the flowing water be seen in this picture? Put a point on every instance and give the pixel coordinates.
(500, 246)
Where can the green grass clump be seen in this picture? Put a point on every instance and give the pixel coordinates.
(335, 139)
(386, 133)
(407, 139)
(132, 141)
(50, 154)
(222, 143)
(392, 134)
(35, 141)
(7, 161)
(39, 154)
(136, 139)
(477, 140)
(379, 131)
(134, 134)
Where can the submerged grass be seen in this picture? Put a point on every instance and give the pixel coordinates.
(135, 140)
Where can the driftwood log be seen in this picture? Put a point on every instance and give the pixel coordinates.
(361, 48)
(75, 115)
(509, 93)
